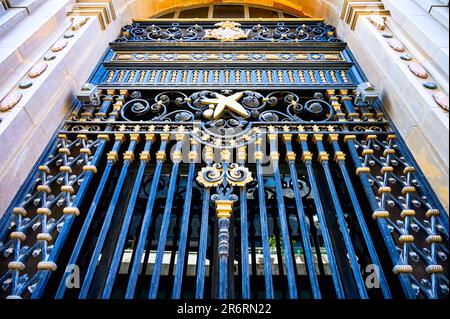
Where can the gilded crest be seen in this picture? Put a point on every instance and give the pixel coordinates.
(227, 32)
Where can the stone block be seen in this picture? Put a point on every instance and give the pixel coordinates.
(435, 127)
(29, 5)
(36, 100)
(10, 18)
(13, 130)
(10, 61)
(80, 46)
(58, 109)
(441, 14)
(441, 60)
(399, 9)
(402, 117)
(40, 26)
(431, 164)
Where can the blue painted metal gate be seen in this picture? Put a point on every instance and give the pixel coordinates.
(226, 161)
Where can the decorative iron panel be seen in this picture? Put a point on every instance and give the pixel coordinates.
(228, 31)
(226, 182)
(227, 77)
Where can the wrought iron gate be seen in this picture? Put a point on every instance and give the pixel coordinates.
(226, 161)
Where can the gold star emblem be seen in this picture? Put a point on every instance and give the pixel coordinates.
(223, 102)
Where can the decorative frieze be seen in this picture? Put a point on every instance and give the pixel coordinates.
(229, 77)
(230, 32)
(204, 57)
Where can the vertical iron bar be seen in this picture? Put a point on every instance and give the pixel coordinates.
(307, 158)
(44, 275)
(274, 156)
(263, 219)
(139, 249)
(245, 266)
(87, 222)
(382, 224)
(68, 221)
(145, 158)
(223, 249)
(224, 208)
(185, 224)
(290, 156)
(323, 157)
(200, 284)
(359, 215)
(166, 220)
(108, 219)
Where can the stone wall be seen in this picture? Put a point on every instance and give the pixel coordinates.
(31, 29)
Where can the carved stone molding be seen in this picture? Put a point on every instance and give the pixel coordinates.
(352, 9)
(103, 9)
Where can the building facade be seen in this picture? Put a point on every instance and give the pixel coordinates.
(226, 150)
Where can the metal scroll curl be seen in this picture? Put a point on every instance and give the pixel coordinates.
(314, 110)
(227, 112)
(238, 175)
(285, 33)
(139, 109)
(228, 31)
(230, 175)
(211, 176)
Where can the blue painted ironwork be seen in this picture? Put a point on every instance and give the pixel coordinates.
(264, 226)
(360, 216)
(293, 294)
(68, 220)
(302, 220)
(185, 224)
(200, 282)
(307, 158)
(112, 273)
(148, 32)
(223, 107)
(106, 223)
(165, 222)
(231, 77)
(381, 222)
(136, 265)
(87, 222)
(245, 266)
(323, 158)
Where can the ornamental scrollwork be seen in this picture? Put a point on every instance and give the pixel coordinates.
(285, 33)
(228, 31)
(215, 175)
(141, 110)
(238, 175)
(211, 176)
(228, 109)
